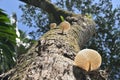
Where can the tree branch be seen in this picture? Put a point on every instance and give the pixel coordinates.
(50, 8)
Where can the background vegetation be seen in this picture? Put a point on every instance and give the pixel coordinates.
(10, 48)
(7, 43)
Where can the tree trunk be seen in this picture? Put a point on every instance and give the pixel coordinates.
(52, 57)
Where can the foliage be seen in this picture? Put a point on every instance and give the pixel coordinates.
(107, 18)
(10, 48)
(7, 43)
(25, 44)
(40, 20)
(62, 18)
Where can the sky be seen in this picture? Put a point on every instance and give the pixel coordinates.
(13, 6)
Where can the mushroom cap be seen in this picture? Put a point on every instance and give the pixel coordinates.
(65, 26)
(53, 25)
(88, 59)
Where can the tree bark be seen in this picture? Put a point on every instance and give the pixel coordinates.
(51, 58)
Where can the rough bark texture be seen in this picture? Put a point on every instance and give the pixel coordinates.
(51, 58)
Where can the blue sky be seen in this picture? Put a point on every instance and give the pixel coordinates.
(13, 6)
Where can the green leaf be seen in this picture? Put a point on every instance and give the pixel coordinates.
(7, 42)
(62, 18)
